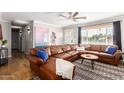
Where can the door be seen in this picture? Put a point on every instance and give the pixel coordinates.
(15, 39)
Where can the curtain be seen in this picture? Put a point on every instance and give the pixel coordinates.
(117, 34)
(1, 36)
(79, 36)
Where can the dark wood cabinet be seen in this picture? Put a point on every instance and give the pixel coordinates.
(3, 56)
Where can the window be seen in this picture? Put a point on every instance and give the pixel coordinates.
(99, 34)
(69, 36)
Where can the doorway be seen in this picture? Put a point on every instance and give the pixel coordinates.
(16, 37)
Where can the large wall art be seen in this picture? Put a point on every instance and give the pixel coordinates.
(53, 38)
(42, 34)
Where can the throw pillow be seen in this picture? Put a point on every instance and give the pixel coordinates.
(111, 50)
(106, 50)
(43, 55)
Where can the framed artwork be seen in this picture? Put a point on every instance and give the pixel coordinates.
(53, 38)
(41, 37)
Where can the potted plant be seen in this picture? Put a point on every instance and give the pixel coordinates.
(4, 42)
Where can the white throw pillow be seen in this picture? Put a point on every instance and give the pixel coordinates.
(80, 48)
(106, 50)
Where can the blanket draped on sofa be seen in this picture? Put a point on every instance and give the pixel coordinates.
(64, 68)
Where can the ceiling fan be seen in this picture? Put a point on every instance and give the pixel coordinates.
(73, 16)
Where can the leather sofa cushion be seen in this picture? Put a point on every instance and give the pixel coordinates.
(100, 54)
(74, 47)
(48, 51)
(66, 48)
(73, 52)
(95, 47)
(103, 48)
(105, 55)
(33, 51)
(55, 50)
(63, 55)
(92, 52)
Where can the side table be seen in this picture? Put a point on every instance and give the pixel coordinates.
(3, 55)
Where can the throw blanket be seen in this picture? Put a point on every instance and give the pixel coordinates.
(64, 68)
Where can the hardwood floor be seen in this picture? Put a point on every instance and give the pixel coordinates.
(18, 68)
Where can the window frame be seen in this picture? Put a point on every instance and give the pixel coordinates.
(99, 29)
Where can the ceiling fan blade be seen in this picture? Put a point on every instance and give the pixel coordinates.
(74, 20)
(70, 14)
(76, 13)
(81, 17)
(63, 16)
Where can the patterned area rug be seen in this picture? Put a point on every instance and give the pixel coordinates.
(101, 71)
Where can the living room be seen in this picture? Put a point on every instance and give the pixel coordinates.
(70, 35)
(61, 46)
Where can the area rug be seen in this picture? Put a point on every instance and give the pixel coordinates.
(101, 71)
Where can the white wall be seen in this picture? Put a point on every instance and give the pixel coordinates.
(6, 30)
(122, 34)
(27, 38)
(23, 39)
(0, 16)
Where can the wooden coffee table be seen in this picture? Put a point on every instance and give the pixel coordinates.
(89, 57)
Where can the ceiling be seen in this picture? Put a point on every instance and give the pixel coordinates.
(22, 18)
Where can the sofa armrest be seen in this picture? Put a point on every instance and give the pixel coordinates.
(117, 56)
(35, 60)
(118, 53)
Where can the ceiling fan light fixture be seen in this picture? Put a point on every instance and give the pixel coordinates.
(73, 16)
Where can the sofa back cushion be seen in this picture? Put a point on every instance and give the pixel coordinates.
(74, 47)
(47, 49)
(55, 50)
(33, 51)
(103, 47)
(66, 48)
(95, 47)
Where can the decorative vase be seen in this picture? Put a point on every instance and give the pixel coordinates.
(3, 46)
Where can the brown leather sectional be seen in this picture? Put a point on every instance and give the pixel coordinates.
(99, 50)
(47, 71)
